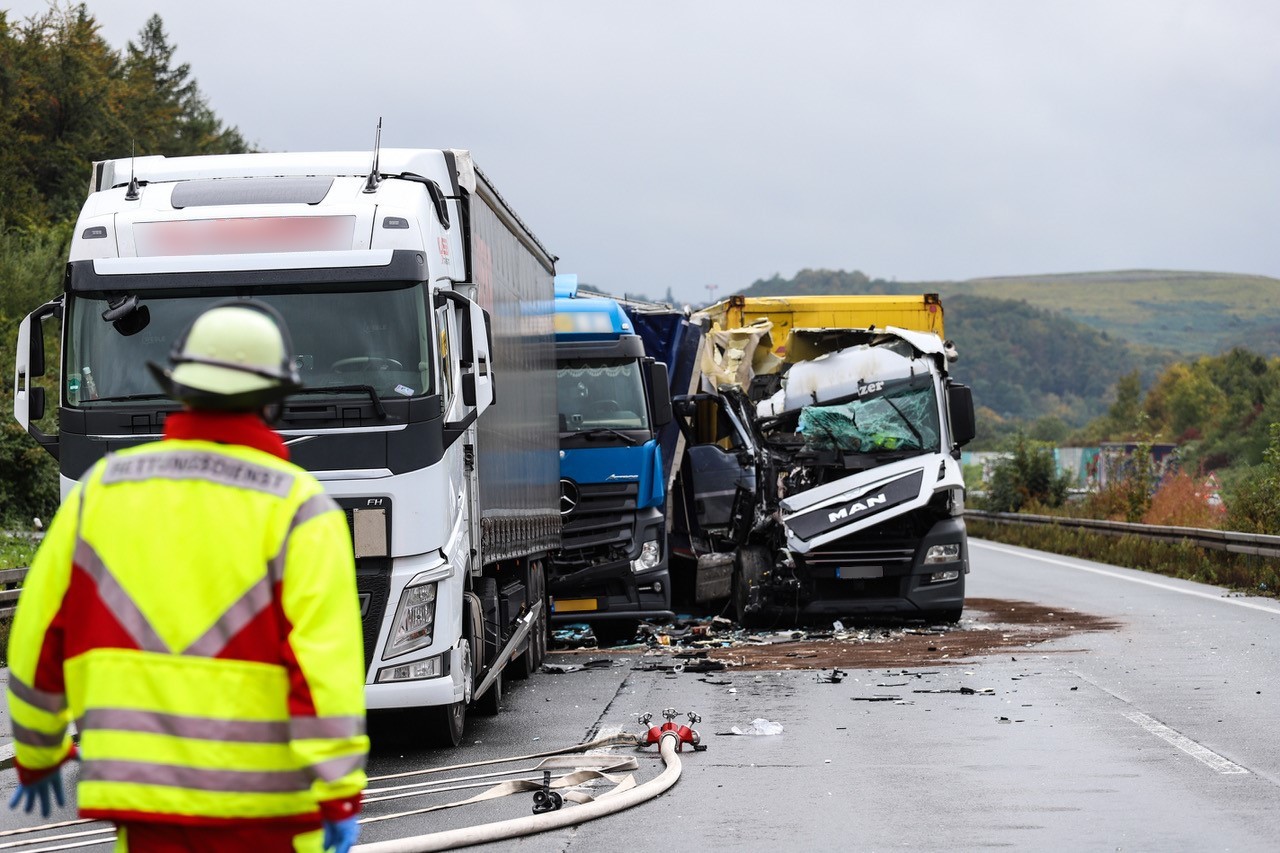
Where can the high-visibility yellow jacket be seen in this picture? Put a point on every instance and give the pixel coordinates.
(193, 608)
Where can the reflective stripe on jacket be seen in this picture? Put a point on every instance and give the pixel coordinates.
(193, 607)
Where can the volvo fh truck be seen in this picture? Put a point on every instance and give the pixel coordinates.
(421, 312)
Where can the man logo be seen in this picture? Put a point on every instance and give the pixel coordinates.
(855, 507)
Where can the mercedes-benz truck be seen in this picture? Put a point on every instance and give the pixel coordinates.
(612, 401)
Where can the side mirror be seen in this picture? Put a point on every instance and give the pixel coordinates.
(35, 403)
(960, 412)
(660, 391)
(28, 400)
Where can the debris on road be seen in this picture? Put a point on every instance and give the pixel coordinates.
(709, 644)
(759, 726)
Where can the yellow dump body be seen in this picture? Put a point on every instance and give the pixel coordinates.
(920, 313)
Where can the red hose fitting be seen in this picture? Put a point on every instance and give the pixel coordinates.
(683, 733)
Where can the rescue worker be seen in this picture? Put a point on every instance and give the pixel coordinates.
(193, 608)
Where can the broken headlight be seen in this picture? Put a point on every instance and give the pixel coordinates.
(650, 556)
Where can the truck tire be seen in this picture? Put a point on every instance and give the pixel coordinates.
(949, 617)
(529, 662)
(445, 724)
(748, 572)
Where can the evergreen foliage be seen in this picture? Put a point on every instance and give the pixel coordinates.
(67, 98)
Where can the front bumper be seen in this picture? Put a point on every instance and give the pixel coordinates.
(862, 576)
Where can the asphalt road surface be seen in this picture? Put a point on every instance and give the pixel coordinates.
(1145, 720)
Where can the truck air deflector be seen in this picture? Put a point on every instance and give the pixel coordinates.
(224, 191)
(263, 270)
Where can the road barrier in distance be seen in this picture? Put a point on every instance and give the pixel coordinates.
(1256, 544)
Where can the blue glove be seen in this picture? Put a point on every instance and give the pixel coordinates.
(39, 790)
(339, 835)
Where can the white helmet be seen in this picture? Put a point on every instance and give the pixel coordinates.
(236, 356)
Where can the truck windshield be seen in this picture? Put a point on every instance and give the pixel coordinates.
(375, 337)
(896, 416)
(592, 395)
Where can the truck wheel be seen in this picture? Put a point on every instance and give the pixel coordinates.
(445, 724)
(529, 662)
(949, 617)
(748, 572)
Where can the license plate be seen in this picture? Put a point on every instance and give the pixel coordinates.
(859, 572)
(574, 605)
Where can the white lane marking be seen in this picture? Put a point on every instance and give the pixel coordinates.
(1274, 611)
(1159, 729)
(1184, 743)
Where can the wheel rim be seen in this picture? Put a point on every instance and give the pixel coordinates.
(468, 677)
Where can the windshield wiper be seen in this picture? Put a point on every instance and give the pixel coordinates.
(127, 398)
(903, 418)
(588, 433)
(353, 389)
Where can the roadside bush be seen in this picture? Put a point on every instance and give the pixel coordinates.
(1243, 572)
(1025, 478)
(28, 478)
(1255, 505)
(1130, 483)
(1182, 501)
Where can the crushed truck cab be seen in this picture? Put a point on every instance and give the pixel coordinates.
(821, 474)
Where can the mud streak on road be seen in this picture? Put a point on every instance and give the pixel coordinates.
(990, 626)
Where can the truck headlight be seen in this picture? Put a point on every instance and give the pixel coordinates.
(649, 557)
(948, 553)
(415, 620)
(429, 668)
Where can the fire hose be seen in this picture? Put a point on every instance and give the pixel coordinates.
(669, 737)
(548, 814)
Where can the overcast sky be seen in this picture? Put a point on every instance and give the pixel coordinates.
(687, 144)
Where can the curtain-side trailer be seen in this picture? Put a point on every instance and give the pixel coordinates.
(421, 311)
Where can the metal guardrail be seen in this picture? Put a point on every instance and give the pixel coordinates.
(9, 597)
(1256, 544)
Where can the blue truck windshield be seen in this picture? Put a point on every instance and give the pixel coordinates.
(894, 416)
(592, 395)
(380, 338)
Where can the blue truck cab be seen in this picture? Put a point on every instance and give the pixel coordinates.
(612, 402)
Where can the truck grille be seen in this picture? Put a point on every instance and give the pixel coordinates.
(601, 526)
(894, 558)
(373, 578)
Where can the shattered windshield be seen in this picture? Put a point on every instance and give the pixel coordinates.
(599, 394)
(888, 416)
(376, 337)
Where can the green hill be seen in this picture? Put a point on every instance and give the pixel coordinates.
(1191, 313)
(1022, 360)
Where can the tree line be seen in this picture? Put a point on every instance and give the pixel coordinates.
(68, 98)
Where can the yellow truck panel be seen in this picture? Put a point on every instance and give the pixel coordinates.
(920, 313)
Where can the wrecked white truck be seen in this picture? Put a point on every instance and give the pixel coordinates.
(820, 475)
